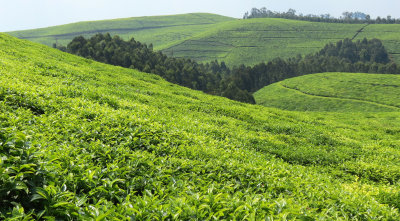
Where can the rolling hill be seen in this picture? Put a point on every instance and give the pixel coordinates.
(84, 140)
(161, 31)
(255, 40)
(337, 92)
(206, 37)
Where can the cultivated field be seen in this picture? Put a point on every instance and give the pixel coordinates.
(340, 92)
(206, 37)
(158, 30)
(84, 140)
(255, 40)
(388, 33)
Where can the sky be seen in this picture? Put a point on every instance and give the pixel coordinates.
(30, 14)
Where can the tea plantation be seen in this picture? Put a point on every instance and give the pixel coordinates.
(339, 92)
(206, 37)
(81, 140)
(161, 31)
(253, 41)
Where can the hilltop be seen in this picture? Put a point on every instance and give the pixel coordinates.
(255, 40)
(336, 92)
(84, 140)
(206, 37)
(158, 30)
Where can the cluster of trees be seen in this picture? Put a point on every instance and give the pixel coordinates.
(364, 51)
(347, 17)
(133, 54)
(366, 56)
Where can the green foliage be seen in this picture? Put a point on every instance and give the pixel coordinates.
(387, 34)
(234, 93)
(114, 143)
(133, 54)
(343, 92)
(364, 51)
(20, 172)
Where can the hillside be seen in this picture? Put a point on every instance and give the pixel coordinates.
(84, 140)
(255, 40)
(252, 41)
(388, 33)
(206, 37)
(158, 30)
(343, 92)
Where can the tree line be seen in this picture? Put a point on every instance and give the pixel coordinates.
(365, 56)
(136, 55)
(347, 17)
(237, 83)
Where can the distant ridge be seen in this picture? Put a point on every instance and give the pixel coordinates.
(138, 27)
(207, 37)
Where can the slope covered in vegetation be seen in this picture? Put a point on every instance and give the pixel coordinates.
(157, 30)
(334, 92)
(206, 37)
(389, 34)
(237, 83)
(255, 40)
(83, 140)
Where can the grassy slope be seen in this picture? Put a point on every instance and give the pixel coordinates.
(255, 40)
(334, 92)
(117, 142)
(158, 30)
(207, 37)
(389, 34)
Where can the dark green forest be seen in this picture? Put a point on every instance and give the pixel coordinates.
(347, 17)
(237, 83)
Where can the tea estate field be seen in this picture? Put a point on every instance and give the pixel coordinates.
(337, 92)
(82, 140)
(207, 37)
(253, 41)
(161, 31)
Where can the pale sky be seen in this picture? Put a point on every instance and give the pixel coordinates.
(29, 14)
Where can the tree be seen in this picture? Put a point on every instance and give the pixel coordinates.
(347, 15)
(246, 15)
(291, 12)
(233, 92)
